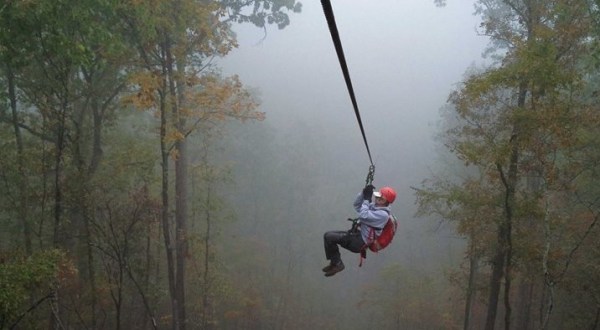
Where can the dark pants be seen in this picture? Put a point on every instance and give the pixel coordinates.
(349, 241)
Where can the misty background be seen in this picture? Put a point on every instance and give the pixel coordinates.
(404, 58)
(142, 186)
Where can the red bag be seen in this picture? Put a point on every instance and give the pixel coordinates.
(387, 234)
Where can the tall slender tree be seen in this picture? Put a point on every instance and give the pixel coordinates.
(176, 40)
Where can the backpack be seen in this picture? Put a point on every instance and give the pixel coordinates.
(378, 243)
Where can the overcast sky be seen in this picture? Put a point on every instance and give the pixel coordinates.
(404, 58)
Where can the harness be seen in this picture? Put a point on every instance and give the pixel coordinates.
(372, 243)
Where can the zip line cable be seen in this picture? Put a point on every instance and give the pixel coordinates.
(340, 53)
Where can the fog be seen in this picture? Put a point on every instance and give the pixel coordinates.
(143, 191)
(404, 58)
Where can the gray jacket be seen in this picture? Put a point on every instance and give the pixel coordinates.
(370, 216)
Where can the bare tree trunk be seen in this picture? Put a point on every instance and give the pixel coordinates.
(176, 73)
(596, 324)
(117, 296)
(181, 229)
(501, 263)
(473, 269)
(141, 290)
(547, 302)
(510, 184)
(495, 281)
(58, 236)
(206, 317)
(58, 172)
(526, 289)
(508, 275)
(165, 219)
(23, 177)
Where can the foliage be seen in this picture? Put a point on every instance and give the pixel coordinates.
(262, 12)
(520, 132)
(24, 280)
(75, 70)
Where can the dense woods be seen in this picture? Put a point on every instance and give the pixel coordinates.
(100, 99)
(526, 132)
(141, 188)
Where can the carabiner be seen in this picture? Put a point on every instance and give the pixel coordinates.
(370, 175)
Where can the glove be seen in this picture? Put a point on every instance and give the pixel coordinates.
(368, 192)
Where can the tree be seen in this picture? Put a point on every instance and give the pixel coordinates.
(41, 272)
(175, 81)
(516, 121)
(11, 57)
(62, 65)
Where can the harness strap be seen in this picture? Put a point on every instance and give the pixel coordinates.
(370, 240)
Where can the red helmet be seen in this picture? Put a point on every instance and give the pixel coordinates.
(386, 192)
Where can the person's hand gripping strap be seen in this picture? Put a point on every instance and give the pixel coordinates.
(368, 192)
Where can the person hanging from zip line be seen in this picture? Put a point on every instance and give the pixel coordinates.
(372, 218)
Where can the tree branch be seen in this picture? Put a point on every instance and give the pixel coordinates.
(34, 306)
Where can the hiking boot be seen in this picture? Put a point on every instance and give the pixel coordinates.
(332, 263)
(327, 268)
(334, 268)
